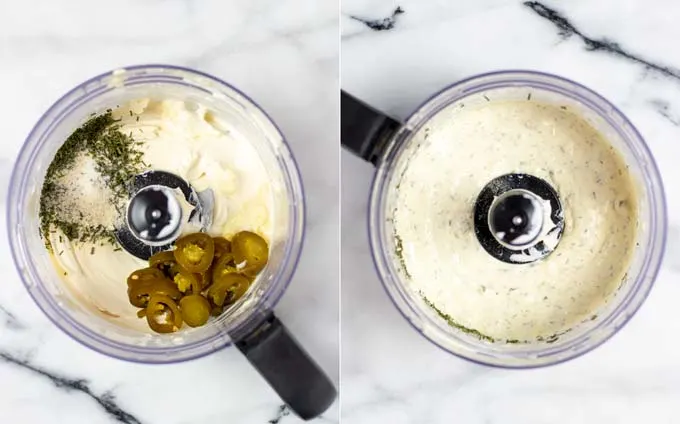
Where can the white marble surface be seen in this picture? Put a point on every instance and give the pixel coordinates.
(284, 54)
(393, 375)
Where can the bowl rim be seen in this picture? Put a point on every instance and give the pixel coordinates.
(386, 270)
(150, 354)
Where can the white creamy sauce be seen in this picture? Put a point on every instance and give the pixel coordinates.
(192, 143)
(461, 150)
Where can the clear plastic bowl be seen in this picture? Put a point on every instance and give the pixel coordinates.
(651, 232)
(107, 91)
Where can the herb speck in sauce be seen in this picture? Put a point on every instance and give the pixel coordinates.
(455, 324)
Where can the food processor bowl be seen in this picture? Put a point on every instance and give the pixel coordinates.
(394, 149)
(242, 116)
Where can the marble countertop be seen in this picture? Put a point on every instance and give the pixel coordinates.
(285, 56)
(628, 52)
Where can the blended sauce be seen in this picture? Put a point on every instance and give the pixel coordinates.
(459, 152)
(169, 135)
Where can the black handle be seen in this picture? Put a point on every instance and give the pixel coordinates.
(297, 379)
(364, 131)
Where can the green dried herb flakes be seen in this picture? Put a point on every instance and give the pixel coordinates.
(117, 159)
(456, 325)
(399, 251)
(552, 339)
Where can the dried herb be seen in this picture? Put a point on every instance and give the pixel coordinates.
(552, 339)
(457, 325)
(117, 159)
(472, 331)
(399, 251)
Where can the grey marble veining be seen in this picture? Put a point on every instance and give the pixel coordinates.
(283, 54)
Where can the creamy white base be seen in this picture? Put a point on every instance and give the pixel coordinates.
(461, 150)
(190, 142)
